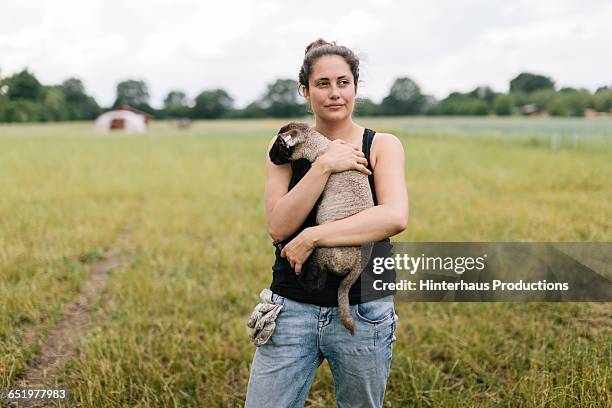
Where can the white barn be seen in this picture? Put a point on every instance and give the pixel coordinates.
(124, 118)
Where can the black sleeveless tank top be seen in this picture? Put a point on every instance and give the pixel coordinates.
(284, 279)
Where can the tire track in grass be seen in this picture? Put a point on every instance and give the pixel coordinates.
(60, 343)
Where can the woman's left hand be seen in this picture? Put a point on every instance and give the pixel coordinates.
(299, 249)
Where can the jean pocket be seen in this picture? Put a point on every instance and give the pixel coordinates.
(375, 312)
(278, 299)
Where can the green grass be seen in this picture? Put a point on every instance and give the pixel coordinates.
(175, 332)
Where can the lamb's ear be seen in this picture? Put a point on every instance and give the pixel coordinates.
(280, 153)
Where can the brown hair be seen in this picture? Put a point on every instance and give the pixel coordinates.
(319, 48)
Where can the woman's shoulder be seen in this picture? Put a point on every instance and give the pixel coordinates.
(385, 138)
(383, 145)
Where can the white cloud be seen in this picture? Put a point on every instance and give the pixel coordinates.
(243, 45)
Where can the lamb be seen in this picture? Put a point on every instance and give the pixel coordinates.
(346, 193)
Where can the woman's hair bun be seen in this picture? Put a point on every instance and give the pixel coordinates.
(318, 43)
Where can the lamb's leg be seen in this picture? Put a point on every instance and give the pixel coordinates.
(314, 274)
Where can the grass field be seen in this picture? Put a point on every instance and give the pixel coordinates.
(169, 329)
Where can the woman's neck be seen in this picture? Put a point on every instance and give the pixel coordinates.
(334, 130)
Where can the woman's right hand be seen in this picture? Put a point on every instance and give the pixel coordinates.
(342, 156)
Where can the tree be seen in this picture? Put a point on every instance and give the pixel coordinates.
(23, 85)
(556, 106)
(74, 90)
(254, 110)
(176, 103)
(576, 101)
(476, 106)
(429, 104)
(366, 107)
(133, 93)
(484, 93)
(3, 105)
(80, 106)
(404, 98)
(540, 98)
(527, 82)
(603, 100)
(175, 99)
(458, 103)
(567, 89)
(503, 105)
(212, 104)
(90, 109)
(55, 104)
(281, 100)
(23, 110)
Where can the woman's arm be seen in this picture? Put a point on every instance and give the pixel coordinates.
(388, 218)
(287, 210)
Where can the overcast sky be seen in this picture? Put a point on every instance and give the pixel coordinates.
(241, 46)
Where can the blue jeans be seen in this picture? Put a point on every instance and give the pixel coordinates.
(283, 369)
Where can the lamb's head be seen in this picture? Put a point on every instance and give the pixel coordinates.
(297, 140)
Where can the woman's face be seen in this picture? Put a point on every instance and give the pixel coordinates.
(331, 88)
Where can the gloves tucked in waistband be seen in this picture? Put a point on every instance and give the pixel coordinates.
(263, 319)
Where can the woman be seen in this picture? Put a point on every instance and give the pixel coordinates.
(308, 328)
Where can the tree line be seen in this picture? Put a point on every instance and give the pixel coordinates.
(24, 99)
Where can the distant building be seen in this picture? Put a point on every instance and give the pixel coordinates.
(123, 118)
(592, 113)
(531, 110)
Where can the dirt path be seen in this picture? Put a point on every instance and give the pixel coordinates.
(60, 344)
